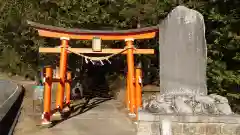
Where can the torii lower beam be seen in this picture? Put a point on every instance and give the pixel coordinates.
(88, 50)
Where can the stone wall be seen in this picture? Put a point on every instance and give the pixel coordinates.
(154, 128)
(151, 124)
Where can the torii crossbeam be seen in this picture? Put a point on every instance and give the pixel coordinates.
(65, 35)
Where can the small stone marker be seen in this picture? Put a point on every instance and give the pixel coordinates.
(38, 95)
(38, 92)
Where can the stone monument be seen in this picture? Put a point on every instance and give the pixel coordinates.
(183, 106)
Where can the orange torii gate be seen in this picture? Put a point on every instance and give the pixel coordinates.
(64, 34)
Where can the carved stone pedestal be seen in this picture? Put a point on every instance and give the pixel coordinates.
(153, 124)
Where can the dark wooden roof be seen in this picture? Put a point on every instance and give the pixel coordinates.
(92, 32)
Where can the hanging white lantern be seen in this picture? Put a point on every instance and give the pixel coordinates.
(96, 44)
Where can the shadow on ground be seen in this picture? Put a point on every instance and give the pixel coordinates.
(81, 107)
(96, 91)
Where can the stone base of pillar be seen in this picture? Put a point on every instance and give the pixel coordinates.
(57, 116)
(46, 123)
(66, 109)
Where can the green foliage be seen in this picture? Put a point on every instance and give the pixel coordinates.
(19, 43)
(221, 18)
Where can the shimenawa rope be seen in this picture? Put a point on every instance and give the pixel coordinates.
(101, 59)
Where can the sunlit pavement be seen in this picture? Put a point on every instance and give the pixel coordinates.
(104, 118)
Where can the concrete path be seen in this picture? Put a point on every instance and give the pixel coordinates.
(105, 118)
